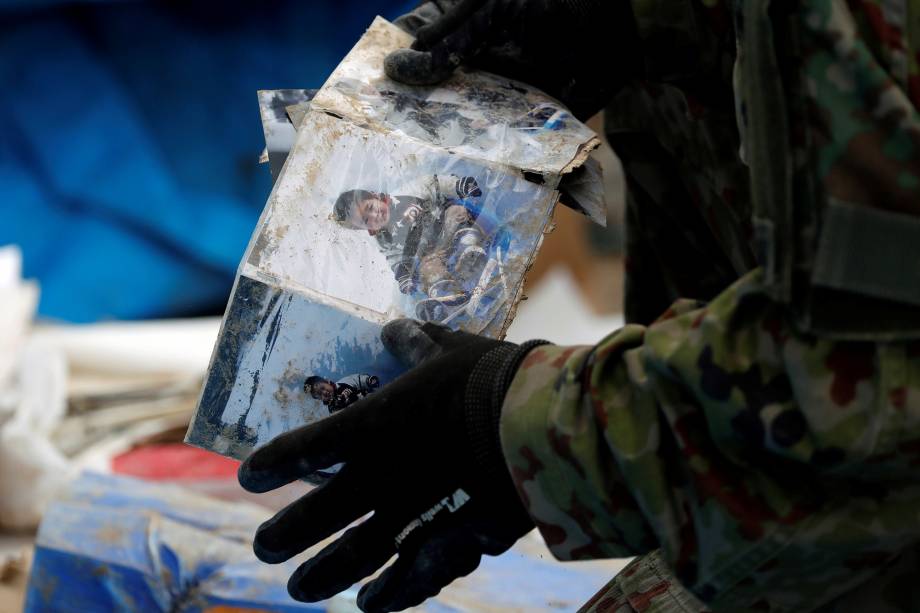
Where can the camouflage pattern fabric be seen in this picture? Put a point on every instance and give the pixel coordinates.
(776, 471)
(862, 88)
(827, 102)
(757, 453)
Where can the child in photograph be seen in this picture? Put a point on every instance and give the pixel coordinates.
(338, 395)
(428, 232)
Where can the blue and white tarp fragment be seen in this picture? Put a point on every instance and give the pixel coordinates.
(119, 544)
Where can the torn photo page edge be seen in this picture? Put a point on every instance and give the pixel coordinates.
(395, 38)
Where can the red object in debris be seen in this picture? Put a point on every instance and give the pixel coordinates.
(174, 461)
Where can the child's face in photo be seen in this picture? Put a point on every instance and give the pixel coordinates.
(322, 391)
(371, 214)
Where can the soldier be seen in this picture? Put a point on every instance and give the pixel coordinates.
(753, 432)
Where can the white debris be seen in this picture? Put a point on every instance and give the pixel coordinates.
(33, 391)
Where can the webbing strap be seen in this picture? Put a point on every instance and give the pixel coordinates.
(869, 251)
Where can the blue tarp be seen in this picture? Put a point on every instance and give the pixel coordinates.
(130, 135)
(119, 544)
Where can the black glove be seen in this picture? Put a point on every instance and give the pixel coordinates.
(579, 51)
(423, 453)
(406, 279)
(467, 187)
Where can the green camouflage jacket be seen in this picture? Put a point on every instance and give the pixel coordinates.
(754, 433)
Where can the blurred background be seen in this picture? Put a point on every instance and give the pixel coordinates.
(131, 134)
(130, 138)
(130, 185)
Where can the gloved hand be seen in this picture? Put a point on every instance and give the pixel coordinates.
(405, 276)
(468, 187)
(579, 51)
(423, 453)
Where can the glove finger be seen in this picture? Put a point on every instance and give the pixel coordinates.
(298, 453)
(409, 342)
(447, 338)
(421, 574)
(434, 61)
(436, 30)
(320, 513)
(425, 14)
(414, 68)
(413, 342)
(359, 552)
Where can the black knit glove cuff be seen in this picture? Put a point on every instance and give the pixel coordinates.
(485, 394)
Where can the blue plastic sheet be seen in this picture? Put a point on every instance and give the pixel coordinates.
(118, 544)
(128, 162)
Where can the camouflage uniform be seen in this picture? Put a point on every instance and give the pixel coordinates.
(755, 430)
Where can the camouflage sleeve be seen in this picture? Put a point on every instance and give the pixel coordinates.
(772, 469)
